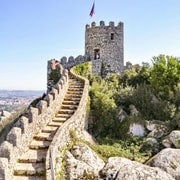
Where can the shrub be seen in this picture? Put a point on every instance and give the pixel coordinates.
(130, 148)
(55, 75)
(83, 69)
(123, 97)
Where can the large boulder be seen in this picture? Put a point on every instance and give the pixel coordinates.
(150, 145)
(125, 169)
(172, 140)
(122, 115)
(174, 137)
(133, 110)
(83, 163)
(168, 160)
(158, 128)
(137, 129)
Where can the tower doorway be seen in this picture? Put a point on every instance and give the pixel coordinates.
(96, 53)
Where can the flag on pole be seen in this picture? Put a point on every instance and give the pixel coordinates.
(92, 12)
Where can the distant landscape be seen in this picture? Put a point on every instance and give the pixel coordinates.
(11, 100)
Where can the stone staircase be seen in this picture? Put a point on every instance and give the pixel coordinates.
(31, 165)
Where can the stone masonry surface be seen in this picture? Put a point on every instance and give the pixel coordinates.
(19, 137)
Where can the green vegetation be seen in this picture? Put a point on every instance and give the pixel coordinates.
(130, 149)
(55, 75)
(154, 91)
(83, 69)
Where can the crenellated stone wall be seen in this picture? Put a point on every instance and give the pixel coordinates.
(68, 63)
(35, 118)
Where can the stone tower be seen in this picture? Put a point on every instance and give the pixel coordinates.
(104, 46)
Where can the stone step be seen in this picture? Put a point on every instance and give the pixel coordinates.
(65, 111)
(69, 102)
(75, 99)
(49, 129)
(33, 156)
(67, 116)
(29, 178)
(43, 136)
(59, 119)
(75, 89)
(76, 86)
(30, 169)
(75, 83)
(75, 92)
(55, 124)
(39, 144)
(73, 96)
(73, 107)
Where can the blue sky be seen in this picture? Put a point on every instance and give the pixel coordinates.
(35, 31)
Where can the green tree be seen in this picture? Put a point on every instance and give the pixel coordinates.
(103, 107)
(135, 76)
(165, 75)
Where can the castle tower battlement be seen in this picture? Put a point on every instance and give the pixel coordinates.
(102, 24)
(104, 45)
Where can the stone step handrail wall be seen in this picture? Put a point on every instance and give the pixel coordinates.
(78, 122)
(34, 119)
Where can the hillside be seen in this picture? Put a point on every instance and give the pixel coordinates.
(13, 99)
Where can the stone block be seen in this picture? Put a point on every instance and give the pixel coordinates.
(4, 170)
(14, 136)
(33, 114)
(6, 150)
(54, 92)
(42, 106)
(24, 122)
(49, 99)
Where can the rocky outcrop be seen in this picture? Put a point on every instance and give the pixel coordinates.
(158, 128)
(137, 129)
(168, 160)
(122, 115)
(125, 169)
(150, 145)
(82, 163)
(133, 110)
(172, 140)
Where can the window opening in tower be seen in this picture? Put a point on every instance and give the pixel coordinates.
(112, 36)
